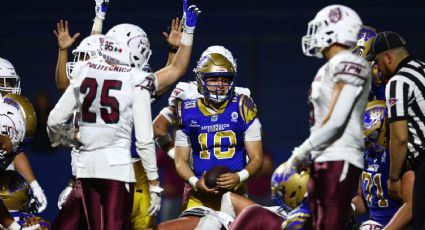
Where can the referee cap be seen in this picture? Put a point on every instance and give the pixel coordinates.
(384, 41)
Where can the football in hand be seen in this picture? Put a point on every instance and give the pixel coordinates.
(211, 176)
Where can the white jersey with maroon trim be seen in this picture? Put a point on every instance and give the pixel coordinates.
(189, 90)
(105, 95)
(353, 70)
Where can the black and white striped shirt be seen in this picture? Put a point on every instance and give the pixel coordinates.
(405, 100)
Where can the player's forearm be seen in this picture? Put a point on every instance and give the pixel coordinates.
(160, 126)
(359, 207)
(184, 171)
(401, 219)
(398, 152)
(181, 161)
(170, 59)
(144, 133)
(255, 153)
(22, 165)
(62, 81)
(170, 74)
(332, 129)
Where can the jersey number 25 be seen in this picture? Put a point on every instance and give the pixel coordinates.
(89, 87)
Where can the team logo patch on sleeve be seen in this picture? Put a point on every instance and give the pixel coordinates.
(235, 117)
(392, 101)
(189, 105)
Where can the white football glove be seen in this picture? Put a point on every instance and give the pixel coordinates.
(69, 136)
(155, 192)
(298, 158)
(101, 8)
(39, 196)
(190, 16)
(64, 195)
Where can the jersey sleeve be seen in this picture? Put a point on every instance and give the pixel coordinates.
(396, 96)
(145, 81)
(242, 90)
(178, 93)
(247, 109)
(351, 70)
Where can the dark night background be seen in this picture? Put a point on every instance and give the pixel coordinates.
(264, 36)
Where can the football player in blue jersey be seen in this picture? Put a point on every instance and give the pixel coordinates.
(373, 192)
(289, 192)
(221, 128)
(16, 195)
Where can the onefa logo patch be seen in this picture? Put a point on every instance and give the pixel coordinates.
(392, 101)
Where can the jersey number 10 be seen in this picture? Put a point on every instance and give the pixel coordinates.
(218, 145)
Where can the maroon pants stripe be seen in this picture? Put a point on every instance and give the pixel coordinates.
(328, 197)
(71, 216)
(108, 204)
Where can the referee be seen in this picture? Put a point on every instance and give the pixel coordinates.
(405, 101)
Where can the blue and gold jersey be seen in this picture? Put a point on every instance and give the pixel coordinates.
(377, 164)
(217, 138)
(299, 218)
(21, 216)
(374, 186)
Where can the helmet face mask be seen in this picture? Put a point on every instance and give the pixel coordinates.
(88, 49)
(136, 40)
(333, 24)
(215, 77)
(10, 82)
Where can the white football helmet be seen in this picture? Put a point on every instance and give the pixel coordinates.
(9, 80)
(115, 52)
(88, 49)
(136, 39)
(333, 24)
(223, 51)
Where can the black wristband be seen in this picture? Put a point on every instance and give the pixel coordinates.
(393, 179)
(172, 49)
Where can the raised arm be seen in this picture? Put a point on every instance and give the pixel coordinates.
(100, 9)
(170, 74)
(173, 38)
(64, 42)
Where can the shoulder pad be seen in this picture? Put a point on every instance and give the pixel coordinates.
(183, 91)
(242, 90)
(145, 80)
(350, 69)
(247, 108)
